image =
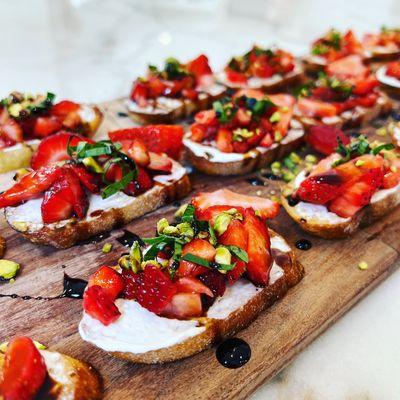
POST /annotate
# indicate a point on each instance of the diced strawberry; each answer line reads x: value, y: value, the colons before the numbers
x: 243, y: 117
x: 262, y: 70
x: 283, y: 125
x: 267, y: 140
x: 266, y: 207
x: 114, y: 173
x: 191, y: 94
x: 63, y: 108
x: 137, y: 150
x: 199, y: 66
x: 206, y: 117
x: 98, y: 303
x: 210, y: 213
x: 89, y: 180
x: 224, y: 140
x: 30, y: 186
x: 45, y: 126
x: 129, y: 291
x: 251, y: 93
x: 316, y: 108
x: 348, y: 67
x: 393, y: 69
x: 198, y: 132
x: 236, y: 273
x: 325, y: 138
x: 258, y: 248
x: 139, y: 93
x: 154, y: 290
x: 215, y: 281
x: 282, y: 100
x: 24, y: 370
x: 189, y: 284
x: 11, y: 132
x: 142, y: 184
x: 54, y: 148
x: 109, y: 279
x: 159, y: 162
x: 187, y: 268
x: 184, y: 305
x: 391, y: 179
x: 234, y: 76
x: 157, y: 138
x: 364, y: 86
x: 64, y: 198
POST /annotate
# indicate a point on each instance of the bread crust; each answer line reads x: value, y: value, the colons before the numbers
x: 241, y: 167
x: 77, y: 230
x: 364, y: 217
x: 218, y: 329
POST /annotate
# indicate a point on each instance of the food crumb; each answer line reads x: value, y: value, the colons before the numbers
x: 107, y: 248
x: 363, y: 265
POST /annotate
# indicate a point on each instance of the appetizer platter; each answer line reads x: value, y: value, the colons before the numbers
x: 139, y: 254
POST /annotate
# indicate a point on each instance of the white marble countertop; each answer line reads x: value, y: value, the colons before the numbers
x: 90, y: 50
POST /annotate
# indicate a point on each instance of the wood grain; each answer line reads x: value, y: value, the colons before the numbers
x: 331, y: 286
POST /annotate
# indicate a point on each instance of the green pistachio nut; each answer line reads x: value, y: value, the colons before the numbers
x: 171, y: 230
x: 295, y: 157
x: 8, y: 269
x: 107, y: 248
x: 223, y: 256
x: 92, y: 164
x: 185, y: 230
x: 275, y: 117
x: 135, y: 257
x: 150, y: 262
x: 161, y: 225
x: 181, y: 210
x: 222, y: 222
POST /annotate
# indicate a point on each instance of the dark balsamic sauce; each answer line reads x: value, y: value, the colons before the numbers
x: 128, y: 238
x: 303, y: 244
x: 233, y: 353
x: 354, y: 134
x: 95, y: 239
x: 395, y: 115
x: 122, y: 114
x: 271, y: 176
x: 292, y: 201
x: 176, y: 204
x: 256, y: 181
x: 73, y: 288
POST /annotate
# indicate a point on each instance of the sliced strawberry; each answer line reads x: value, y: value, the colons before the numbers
x: 198, y: 132
x: 283, y: 125
x: 236, y: 273
x: 109, y: 279
x: 393, y: 69
x: 199, y: 66
x: 189, y: 284
x: 266, y: 207
x: 391, y: 179
x: 234, y: 76
x: 325, y: 138
x: 24, y: 370
x: 159, y: 162
x: 207, y: 117
x: 154, y: 290
x: 243, y: 117
x: 184, y: 305
x: 364, y: 86
x: 129, y: 291
x: 215, y: 281
x: 224, y: 140
x: 142, y: 184
x: 89, y: 180
x: 282, y: 100
x: 320, y: 189
x: 114, y: 173
x: 45, y: 126
x: 98, y: 303
x: 157, y: 138
x: 139, y: 93
x: 251, y: 93
x: 137, y: 150
x: 209, y: 214
x: 54, y: 148
x: 267, y: 140
x: 64, y: 198
x: 316, y: 108
x: 11, y: 132
x: 63, y: 108
x: 351, y: 66
x: 258, y: 248
x: 30, y: 186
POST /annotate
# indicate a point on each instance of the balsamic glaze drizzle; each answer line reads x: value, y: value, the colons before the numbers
x: 256, y: 181
x: 233, y: 353
x: 122, y: 114
x: 128, y: 238
x: 303, y: 244
x: 95, y: 239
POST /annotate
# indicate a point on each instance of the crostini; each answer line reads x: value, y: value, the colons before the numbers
x: 354, y: 186
x: 25, y: 119
x: 174, y: 92
x: 199, y: 280
x: 382, y: 46
x: 346, y: 95
x: 79, y: 188
x: 389, y: 77
x: 243, y: 133
x: 271, y: 70
x: 29, y: 373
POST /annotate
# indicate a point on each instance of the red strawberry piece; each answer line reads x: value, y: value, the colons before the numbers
x: 316, y: 108
x: 11, y: 132
x: 215, y: 281
x: 199, y: 66
x: 266, y: 207
x: 88, y: 179
x: 262, y: 70
x: 267, y: 141
x: 282, y: 100
x: 159, y: 163
x: 154, y: 289
x: 189, y: 284
x: 157, y: 138
x: 347, y: 67
x: 224, y: 141
x: 137, y: 150
x: 365, y: 86
x: 236, y: 273
x: 393, y: 69
x: 391, y: 179
x: 129, y: 291
x: 139, y: 93
x: 206, y: 117
x: 235, y: 77
x: 258, y: 248
x: 109, y: 279
x: 30, y: 186
x: 98, y: 303
x: 252, y: 93
x: 243, y: 117
x: 64, y: 198
x: 320, y: 189
x: 142, y: 184
x: 24, y: 370
x: 45, y: 126
x: 325, y: 138
x: 241, y: 147
x: 210, y: 213
x: 198, y: 132
x: 190, y: 94
x: 114, y: 173
x: 184, y: 305
x: 54, y: 148
x: 63, y: 108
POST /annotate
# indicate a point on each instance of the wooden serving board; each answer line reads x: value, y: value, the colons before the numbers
x: 332, y: 285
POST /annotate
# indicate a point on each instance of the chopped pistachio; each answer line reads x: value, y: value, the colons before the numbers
x: 275, y: 117
x: 259, y: 193
x: 381, y: 131
x: 276, y: 165
x: 161, y: 225
x: 363, y: 265
x: 185, y: 230
x: 124, y: 263
x: 240, y: 134
x: 181, y: 210
x: 278, y: 136
x: 20, y: 226
x: 295, y: 157
x: 91, y: 163
x: 12, y: 280
x: 3, y: 347
x: 150, y: 262
x: 310, y: 158
x: 276, y: 199
x: 221, y: 222
x: 257, y: 213
x: 8, y: 269
x: 285, y: 109
x: 223, y: 256
x: 15, y: 109
x: 360, y: 163
x: 135, y: 256
x: 171, y: 230
x: 107, y: 248
x: 288, y: 176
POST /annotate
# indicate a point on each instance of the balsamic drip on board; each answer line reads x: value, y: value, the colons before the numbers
x: 95, y: 239
x: 73, y: 288
x: 128, y: 238
x: 303, y: 244
x: 233, y: 353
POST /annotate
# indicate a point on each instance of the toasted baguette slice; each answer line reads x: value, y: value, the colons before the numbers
x: 167, y: 340
x: 317, y: 220
x: 121, y: 209
x: 20, y: 155
x: 210, y: 160
x: 274, y: 84
x: 68, y: 378
x: 168, y: 110
x: 358, y: 117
